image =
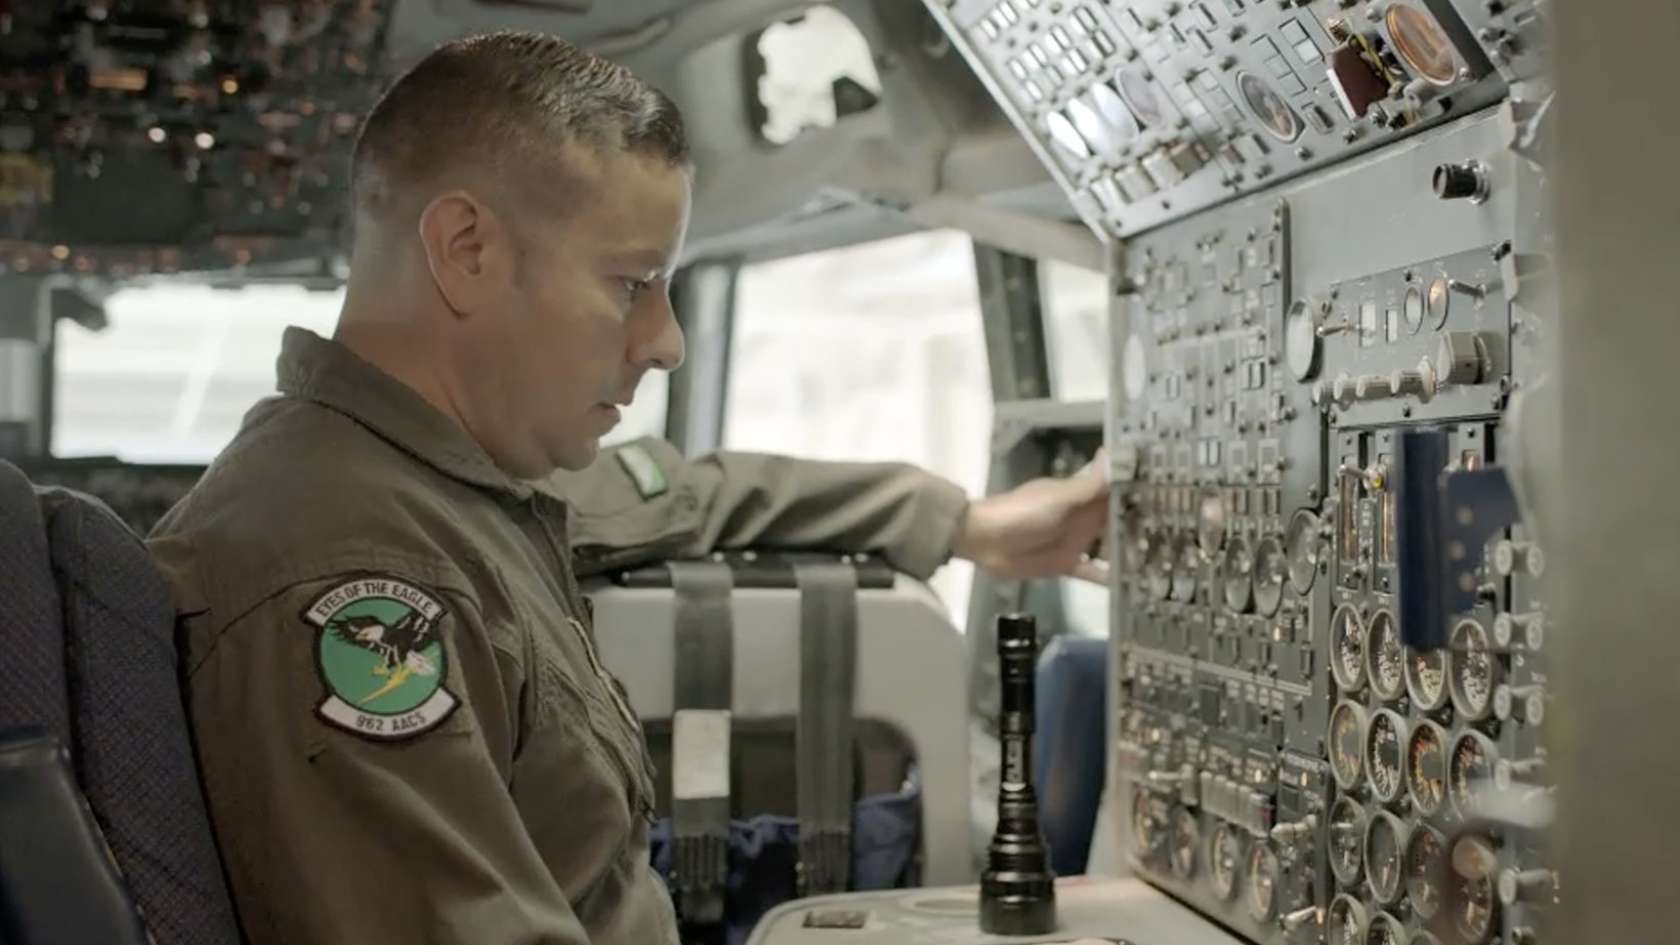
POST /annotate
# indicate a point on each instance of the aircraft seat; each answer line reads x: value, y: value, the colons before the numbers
x: 88, y: 631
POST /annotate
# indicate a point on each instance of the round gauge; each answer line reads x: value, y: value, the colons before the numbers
x: 1224, y: 860
x: 1211, y: 522
x: 1270, y: 566
x: 1136, y: 90
x: 1189, y: 564
x: 1063, y: 133
x: 1347, y: 743
x: 1187, y: 834
x: 1426, y: 766
x: 1090, y: 125
x: 1347, y: 839
x: 1475, y: 670
x: 1440, y: 300
x: 1426, y: 678
x: 1274, y: 114
x: 1475, y: 908
x: 1385, y: 853
x: 1413, y: 309
x: 1158, y: 566
x: 1147, y: 828
x: 1423, y: 870
x: 1420, y: 43
x: 1134, y: 368
x: 1114, y: 111
x: 1347, y: 648
x: 1239, y: 575
x: 1385, y: 930
x: 1471, y: 764
x: 1385, y: 752
x: 1262, y: 881
x: 1300, y: 341
x: 1301, y: 543
x: 1385, y: 657
x: 1346, y: 923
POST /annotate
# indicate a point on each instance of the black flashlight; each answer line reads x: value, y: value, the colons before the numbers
x: 1017, y: 891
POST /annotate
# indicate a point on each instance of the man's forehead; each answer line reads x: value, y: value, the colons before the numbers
x: 640, y: 210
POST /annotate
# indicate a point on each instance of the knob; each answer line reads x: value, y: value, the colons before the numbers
x: 1525, y: 886
x: 1461, y: 359
x: 1295, y: 921
x: 1296, y: 831
x: 1525, y: 703
x: 1169, y: 777
x: 1333, y: 328
x: 1343, y: 389
x: 1508, y: 556
x: 1464, y: 288
x: 1466, y: 181
x: 1507, y: 773
x: 1373, y: 387
x: 1532, y: 627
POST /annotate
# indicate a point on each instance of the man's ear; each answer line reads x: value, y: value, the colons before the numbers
x: 460, y: 235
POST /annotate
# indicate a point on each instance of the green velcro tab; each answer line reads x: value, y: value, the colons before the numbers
x: 643, y: 471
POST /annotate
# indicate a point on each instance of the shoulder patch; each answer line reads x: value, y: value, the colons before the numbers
x: 643, y: 471
x: 380, y: 657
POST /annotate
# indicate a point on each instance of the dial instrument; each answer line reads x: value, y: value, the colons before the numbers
x: 1423, y: 870
x: 1346, y: 923
x: 1426, y: 766
x: 1385, y: 657
x: 1300, y: 340
x: 1137, y: 92
x: 1239, y: 575
x: 1426, y: 678
x: 1471, y: 764
x: 1385, y: 752
x: 1158, y: 566
x: 1347, y: 838
x: 1211, y: 522
x: 1421, y: 44
x: 1475, y: 670
x: 1385, y: 930
x: 1262, y: 881
x: 1347, y: 648
x: 1187, y: 835
x: 1134, y: 368
x: 1413, y: 309
x: 1475, y: 909
x: 1385, y: 855
x: 1224, y: 860
x: 1115, y: 113
x: 1274, y: 114
x: 1347, y: 744
x: 1270, y: 569
x: 1187, y: 567
x: 1148, y: 824
x: 1301, y: 544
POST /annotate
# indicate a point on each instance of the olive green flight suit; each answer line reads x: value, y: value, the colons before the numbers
x: 405, y: 733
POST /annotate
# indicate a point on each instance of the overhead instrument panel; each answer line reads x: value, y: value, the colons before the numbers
x: 1149, y: 110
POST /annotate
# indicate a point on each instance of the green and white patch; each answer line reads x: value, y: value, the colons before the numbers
x: 380, y: 657
x: 643, y: 470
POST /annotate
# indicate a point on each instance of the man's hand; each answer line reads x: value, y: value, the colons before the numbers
x: 1040, y: 529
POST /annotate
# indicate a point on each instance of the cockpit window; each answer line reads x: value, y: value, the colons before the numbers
x: 809, y: 72
x: 1075, y: 329
x: 177, y: 367
x: 870, y: 352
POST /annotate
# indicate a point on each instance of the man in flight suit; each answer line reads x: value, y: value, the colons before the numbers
x: 405, y: 732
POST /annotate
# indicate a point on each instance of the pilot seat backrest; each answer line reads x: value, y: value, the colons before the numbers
x: 88, y: 633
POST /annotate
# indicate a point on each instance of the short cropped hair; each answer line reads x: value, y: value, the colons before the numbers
x: 508, y: 105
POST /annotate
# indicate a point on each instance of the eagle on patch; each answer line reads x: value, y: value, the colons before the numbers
x: 399, y: 646
x: 380, y: 651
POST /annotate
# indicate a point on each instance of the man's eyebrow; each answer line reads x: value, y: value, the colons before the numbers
x: 651, y: 260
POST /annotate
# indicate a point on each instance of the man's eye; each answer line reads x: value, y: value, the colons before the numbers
x: 633, y: 287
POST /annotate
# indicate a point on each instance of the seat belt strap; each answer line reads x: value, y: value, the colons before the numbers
x: 703, y: 685
x: 827, y: 669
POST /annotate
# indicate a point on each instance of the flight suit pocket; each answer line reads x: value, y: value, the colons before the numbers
x: 574, y: 697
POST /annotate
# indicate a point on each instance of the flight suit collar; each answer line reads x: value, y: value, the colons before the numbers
x: 330, y: 374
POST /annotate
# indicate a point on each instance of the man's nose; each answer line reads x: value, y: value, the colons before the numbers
x: 658, y: 343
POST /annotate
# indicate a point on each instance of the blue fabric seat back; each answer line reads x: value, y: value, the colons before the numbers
x: 115, y: 700
x: 1068, y: 766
